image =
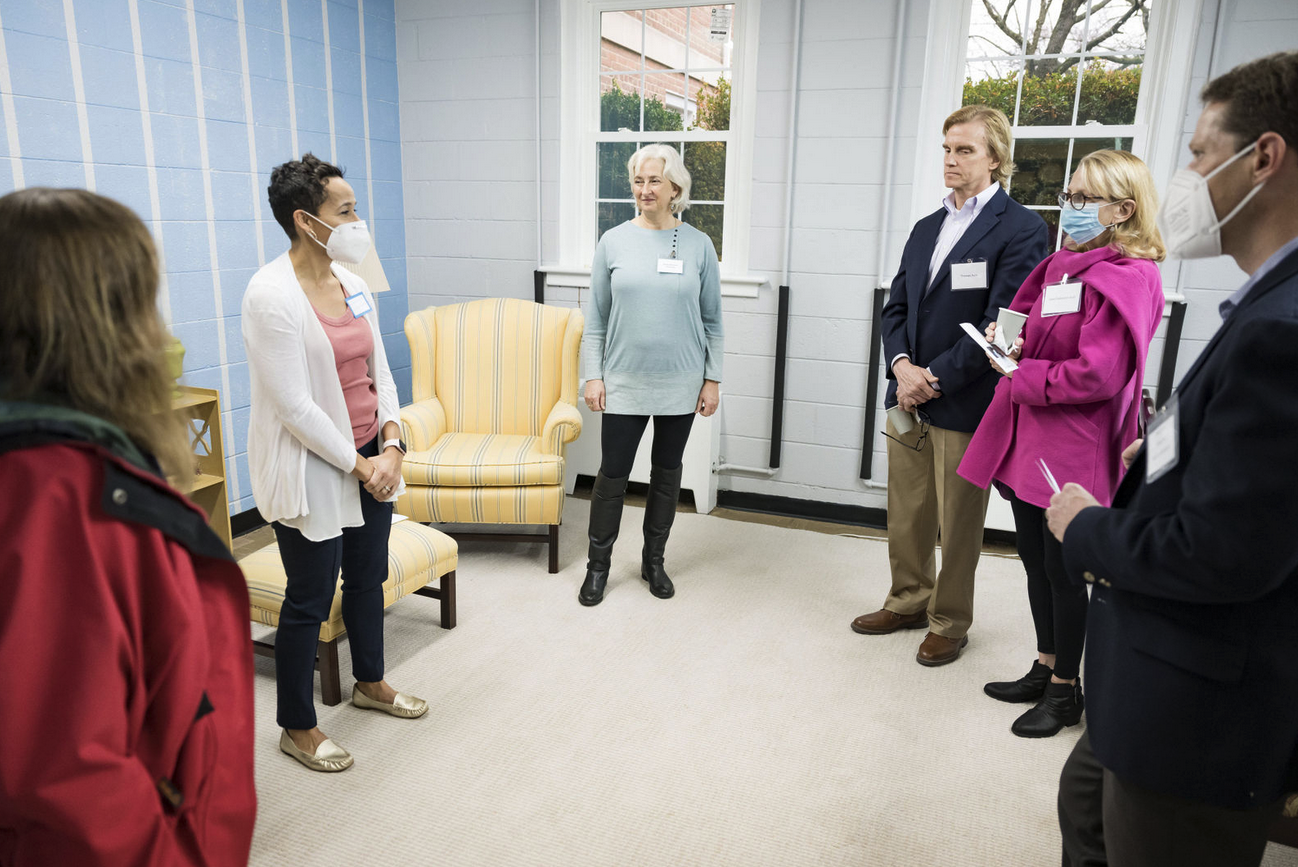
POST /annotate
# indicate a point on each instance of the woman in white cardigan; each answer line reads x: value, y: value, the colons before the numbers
x: 324, y: 447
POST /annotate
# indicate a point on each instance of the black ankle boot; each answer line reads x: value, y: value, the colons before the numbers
x: 1029, y: 687
x: 1061, y: 706
x: 605, y: 517
x: 659, y: 512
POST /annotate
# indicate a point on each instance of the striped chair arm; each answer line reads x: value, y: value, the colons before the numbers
x: 423, y: 423
x: 562, y: 426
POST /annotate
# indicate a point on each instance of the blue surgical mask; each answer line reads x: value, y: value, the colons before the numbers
x: 1084, y: 225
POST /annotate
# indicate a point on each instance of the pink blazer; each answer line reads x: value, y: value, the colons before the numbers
x: 1075, y: 399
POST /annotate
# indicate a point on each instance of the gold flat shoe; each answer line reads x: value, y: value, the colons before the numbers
x: 329, y: 757
x: 405, y: 706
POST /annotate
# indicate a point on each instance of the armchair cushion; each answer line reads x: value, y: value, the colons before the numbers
x: 483, y: 460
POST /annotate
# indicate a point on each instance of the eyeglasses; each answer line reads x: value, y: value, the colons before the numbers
x: 923, y: 432
x: 1079, y: 201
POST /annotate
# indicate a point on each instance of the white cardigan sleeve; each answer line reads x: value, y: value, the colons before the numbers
x: 274, y: 342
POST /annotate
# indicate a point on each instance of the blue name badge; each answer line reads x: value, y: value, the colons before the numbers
x: 358, y: 305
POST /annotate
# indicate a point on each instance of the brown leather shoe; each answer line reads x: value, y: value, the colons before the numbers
x: 884, y: 621
x: 939, y: 650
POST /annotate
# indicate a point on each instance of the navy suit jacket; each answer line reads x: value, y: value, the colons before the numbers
x: 923, y: 321
x: 1192, y: 633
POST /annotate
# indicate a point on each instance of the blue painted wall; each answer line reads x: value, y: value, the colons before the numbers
x: 108, y: 98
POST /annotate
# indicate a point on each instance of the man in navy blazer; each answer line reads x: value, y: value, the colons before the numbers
x: 962, y: 263
x: 1192, y: 635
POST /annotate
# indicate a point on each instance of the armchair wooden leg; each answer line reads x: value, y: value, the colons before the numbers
x: 448, y: 600
x: 554, y: 548
x: 331, y: 691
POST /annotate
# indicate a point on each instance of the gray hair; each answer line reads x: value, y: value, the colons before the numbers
x: 674, y: 171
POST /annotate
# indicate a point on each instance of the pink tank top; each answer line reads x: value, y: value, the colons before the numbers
x: 353, y: 343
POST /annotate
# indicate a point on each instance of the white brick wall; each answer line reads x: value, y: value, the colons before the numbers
x: 466, y: 76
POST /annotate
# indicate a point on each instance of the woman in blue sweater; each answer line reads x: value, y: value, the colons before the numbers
x: 652, y: 347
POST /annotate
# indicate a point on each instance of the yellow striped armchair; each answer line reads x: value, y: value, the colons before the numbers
x: 495, y: 394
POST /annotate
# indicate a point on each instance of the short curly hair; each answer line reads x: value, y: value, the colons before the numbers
x: 299, y: 185
x: 1258, y: 96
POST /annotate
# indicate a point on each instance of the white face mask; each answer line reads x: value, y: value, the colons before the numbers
x: 349, y: 242
x: 1187, y: 219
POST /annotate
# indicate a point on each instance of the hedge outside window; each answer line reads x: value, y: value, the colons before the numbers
x: 665, y: 71
x: 1067, y: 73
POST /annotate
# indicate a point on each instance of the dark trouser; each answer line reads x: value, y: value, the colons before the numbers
x: 1105, y: 821
x: 312, y: 572
x: 1058, y: 605
x: 621, y: 437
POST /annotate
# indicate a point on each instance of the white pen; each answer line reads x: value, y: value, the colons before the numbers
x: 1045, y: 471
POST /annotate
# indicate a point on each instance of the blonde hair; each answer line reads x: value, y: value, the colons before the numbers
x: 1118, y: 175
x: 997, y: 133
x: 674, y: 171
x: 79, y: 322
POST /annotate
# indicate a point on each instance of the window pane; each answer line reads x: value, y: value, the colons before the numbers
x: 712, y: 96
x: 1119, y: 27
x: 665, y: 101
x: 707, y: 219
x: 1084, y: 146
x: 620, y: 38
x: 1040, y: 175
x: 1049, y: 92
x: 1056, y: 28
x: 613, y: 214
x: 706, y: 163
x: 990, y: 36
x: 711, y: 48
x: 1051, y: 216
x: 611, y: 160
x: 619, y: 102
x: 994, y: 83
x: 1109, y: 91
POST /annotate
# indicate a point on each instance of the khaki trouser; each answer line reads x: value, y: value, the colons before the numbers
x: 927, y: 500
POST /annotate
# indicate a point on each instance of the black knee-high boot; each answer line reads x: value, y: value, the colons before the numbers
x: 605, y: 518
x: 659, y: 512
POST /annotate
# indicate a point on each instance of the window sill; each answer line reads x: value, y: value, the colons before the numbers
x: 732, y: 285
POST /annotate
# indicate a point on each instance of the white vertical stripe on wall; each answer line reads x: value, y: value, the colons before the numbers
x: 365, y: 115
x: 253, y: 174
x: 288, y: 72
x: 151, y: 168
x: 232, y: 471
x: 329, y: 82
x: 11, y: 116
x: 79, y: 90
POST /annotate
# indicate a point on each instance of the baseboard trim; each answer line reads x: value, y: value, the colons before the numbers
x: 834, y: 513
x: 246, y: 522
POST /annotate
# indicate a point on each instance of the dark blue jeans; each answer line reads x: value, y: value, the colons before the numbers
x: 312, y: 572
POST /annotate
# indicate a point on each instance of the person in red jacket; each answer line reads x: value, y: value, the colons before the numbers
x: 126, y: 730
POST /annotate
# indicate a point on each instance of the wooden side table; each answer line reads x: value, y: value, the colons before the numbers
x: 201, y: 408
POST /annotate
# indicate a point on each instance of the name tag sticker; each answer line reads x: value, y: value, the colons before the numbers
x: 1162, y: 443
x: 671, y: 266
x: 968, y: 275
x: 358, y: 305
x: 1061, y: 298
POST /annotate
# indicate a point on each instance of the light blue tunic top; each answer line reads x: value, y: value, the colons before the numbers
x: 653, y: 337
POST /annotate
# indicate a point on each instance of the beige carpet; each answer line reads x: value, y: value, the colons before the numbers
x: 740, y: 723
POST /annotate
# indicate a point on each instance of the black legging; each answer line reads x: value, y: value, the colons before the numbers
x: 621, y: 438
x: 1058, y: 605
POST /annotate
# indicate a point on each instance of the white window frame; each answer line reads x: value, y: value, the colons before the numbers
x: 1160, y: 109
x: 579, y: 123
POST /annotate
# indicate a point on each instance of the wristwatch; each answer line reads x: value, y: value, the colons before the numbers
x: 389, y: 443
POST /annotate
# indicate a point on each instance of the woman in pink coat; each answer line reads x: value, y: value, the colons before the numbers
x: 1073, y: 402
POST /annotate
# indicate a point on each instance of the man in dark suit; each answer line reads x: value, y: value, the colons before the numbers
x: 1192, y: 635
x: 962, y: 263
